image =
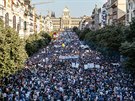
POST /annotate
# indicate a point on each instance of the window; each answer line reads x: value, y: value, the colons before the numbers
x: 25, y: 25
x: 6, y: 19
x: 4, y: 3
x: 18, y: 26
x: 9, y: 3
x: 129, y: 6
x: 134, y: 13
x: 14, y: 22
x: 19, y: 23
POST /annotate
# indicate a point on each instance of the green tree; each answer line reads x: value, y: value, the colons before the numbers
x: 12, y: 52
x: 83, y: 33
x: 128, y: 47
x: 131, y: 34
x: 76, y: 30
x: 36, y: 42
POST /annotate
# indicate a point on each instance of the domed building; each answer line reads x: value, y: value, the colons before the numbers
x: 66, y: 12
x: 65, y: 21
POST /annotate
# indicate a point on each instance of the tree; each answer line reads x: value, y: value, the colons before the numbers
x: 36, y: 42
x: 45, y: 36
x: 12, y: 52
x: 128, y: 47
x: 131, y: 34
x: 83, y: 33
x: 75, y: 29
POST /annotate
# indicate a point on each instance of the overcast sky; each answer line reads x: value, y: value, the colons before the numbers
x: 77, y: 8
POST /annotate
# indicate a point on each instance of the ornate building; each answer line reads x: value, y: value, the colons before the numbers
x: 66, y: 21
x: 21, y: 15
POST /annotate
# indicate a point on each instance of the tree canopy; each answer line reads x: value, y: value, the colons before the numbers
x: 36, y: 42
x: 12, y: 51
x: 112, y: 39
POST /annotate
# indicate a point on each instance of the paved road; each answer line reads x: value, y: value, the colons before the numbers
x: 67, y: 70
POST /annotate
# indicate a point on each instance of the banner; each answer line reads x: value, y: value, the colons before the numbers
x: 97, y: 66
x: 75, y: 65
x: 69, y: 57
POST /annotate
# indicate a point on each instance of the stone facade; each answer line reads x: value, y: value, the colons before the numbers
x: 20, y: 15
x: 65, y: 21
x: 85, y: 22
x: 116, y: 10
x: 96, y: 19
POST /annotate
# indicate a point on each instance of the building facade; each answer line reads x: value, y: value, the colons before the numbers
x: 96, y: 18
x: 113, y: 12
x: 85, y: 23
x: 20, y: 15
x: 65, y: 21
x: 116, y: 10
x: 130, y: 8
x: 48, y: 24
x: 108, y: 11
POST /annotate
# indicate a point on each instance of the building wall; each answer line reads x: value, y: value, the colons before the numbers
x: 85, y: 23
x: 121, y: 8
x: 38, y: 25
x: 130, y: 10
x: 66, y: 21
x: 116, y: 10
x: 96, y: 18
x: 48, y: 24
x: 56, y: 23
x: 75, y: 22
x: 19, y: 15
x: 109, y: 12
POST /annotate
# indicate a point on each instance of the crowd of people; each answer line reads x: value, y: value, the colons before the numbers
x: 47, y: 77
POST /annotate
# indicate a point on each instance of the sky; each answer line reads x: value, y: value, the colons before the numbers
x: 77, y: 8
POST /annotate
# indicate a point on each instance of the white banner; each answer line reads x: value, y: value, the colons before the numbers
x: 75, y: 65
x: 69, y: 57
x: 89, y: 66
x: 85, y: 66
x: 97, y: 66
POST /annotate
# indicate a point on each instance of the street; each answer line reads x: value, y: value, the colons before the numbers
x: 67, y: 70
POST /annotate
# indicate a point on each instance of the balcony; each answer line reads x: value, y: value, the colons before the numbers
x: 127, y: 10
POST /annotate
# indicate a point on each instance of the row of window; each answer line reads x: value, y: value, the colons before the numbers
x: 66, y: 23
x: 14, y: 22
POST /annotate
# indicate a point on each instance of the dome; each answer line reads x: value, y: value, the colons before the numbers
x: 66, y: 9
